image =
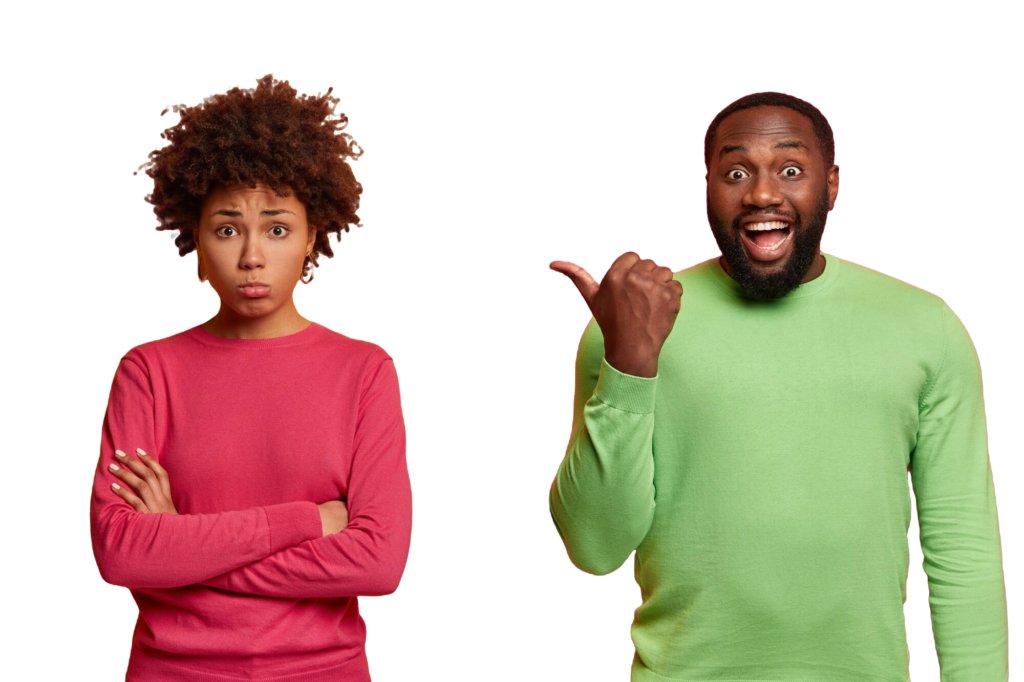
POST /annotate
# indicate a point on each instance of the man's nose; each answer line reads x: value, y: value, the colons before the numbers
x: 764, y: 191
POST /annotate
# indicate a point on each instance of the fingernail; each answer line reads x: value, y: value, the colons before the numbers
x: 115, y: 486
x: 140, y: 451
x: 118, y: 453
x: 114, y: 467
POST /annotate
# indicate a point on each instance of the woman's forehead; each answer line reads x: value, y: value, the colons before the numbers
x: 242, y: 197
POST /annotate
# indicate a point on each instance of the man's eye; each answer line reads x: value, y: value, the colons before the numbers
x: 737, y: 174
x: 791, y: 171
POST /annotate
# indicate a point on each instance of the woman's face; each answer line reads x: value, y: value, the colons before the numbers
x: 251, y: 235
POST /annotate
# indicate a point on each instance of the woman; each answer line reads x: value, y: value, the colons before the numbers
x: 252, y: 478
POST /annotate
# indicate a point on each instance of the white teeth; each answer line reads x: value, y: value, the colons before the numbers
x: 769, y: 225
x: 775, y: 225
x: 774, y: 248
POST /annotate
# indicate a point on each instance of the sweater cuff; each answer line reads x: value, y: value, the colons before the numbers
x: 625, y: 392
x: 293, y: 522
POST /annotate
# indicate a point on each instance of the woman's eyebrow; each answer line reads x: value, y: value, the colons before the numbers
x: 238, y: 214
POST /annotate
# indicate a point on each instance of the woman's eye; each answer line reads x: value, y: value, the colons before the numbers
x: 736, y: 174
x: 274, y: 227
x: 280, y: 227
x: 791, y: 171
x: 224, y: 227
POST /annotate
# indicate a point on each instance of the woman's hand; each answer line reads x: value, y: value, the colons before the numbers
x: 333, y: 517
x: 147, y: 479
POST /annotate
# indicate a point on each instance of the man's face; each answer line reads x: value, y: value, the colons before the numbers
x: 767, y: 172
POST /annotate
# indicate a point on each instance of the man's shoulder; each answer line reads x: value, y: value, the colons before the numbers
x: 861, y: 280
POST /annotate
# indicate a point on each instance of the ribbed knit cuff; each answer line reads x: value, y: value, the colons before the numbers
x: 625, y: 392
x: 292, y: 523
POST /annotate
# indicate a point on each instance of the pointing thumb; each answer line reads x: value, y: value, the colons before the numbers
x: 587, y: 285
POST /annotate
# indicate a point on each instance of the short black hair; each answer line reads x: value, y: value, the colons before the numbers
x: 822, y: 130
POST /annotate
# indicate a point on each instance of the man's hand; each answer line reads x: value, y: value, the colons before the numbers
x: 635, y: 305
x: 148, y: 479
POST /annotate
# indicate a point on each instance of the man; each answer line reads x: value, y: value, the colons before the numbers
x: 751, y: 440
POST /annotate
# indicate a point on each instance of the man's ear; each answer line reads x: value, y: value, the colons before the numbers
x: 833, y: 186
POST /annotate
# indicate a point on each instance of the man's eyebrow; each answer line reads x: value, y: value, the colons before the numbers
x: 792, y: 144
x: 788, y: 144
x: 729, y: 148
x: 238, y: 214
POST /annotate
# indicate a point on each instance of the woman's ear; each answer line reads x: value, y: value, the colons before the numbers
x: 310, y: 241
x: 194, y: 227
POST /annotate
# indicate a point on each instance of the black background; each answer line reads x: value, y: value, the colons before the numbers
x: 471, y: 185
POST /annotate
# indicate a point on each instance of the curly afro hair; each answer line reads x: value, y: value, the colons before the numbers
x: 822, y: 129
x: 266, y: 134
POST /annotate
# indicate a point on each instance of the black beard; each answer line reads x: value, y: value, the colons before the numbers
x: 759, y: 286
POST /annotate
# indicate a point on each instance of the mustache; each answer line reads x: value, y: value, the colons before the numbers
x: 794, y: 218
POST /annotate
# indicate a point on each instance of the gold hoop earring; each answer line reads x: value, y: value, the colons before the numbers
x: 312, y: 270
x: 202, y: 270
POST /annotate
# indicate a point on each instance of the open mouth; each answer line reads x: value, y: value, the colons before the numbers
x: 767, y: 236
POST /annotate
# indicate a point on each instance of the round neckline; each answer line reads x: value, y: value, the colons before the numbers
x: 815, y: 286
x: 209, y: 338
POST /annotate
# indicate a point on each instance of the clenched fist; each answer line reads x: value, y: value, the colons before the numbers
x: 635, y: 305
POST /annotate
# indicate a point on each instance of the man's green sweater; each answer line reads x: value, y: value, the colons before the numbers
x: 761, y: 478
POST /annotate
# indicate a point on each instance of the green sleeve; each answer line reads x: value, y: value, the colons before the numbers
x: 956, y: 509
x: 602, y: 498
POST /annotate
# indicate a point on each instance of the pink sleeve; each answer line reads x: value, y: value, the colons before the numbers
x: 139, y: 550
x: 368, y: 557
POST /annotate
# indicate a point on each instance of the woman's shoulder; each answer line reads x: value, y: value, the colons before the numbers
x: 354, y: 344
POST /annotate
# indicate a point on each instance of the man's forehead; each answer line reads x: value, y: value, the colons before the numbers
x: 764, y: 122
